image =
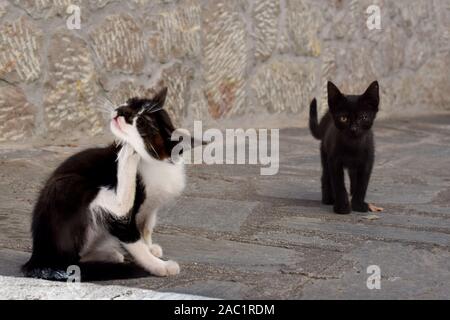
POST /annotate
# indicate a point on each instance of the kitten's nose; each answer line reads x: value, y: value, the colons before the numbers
x: 353, y: 129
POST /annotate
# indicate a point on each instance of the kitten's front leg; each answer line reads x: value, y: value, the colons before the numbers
x: 119, y: 202
x: 128, y: 161
x: 154, y: 248
x: 359, y: 194
x: 139, y: 251
x: 341, y: 203
x: 327, y: 190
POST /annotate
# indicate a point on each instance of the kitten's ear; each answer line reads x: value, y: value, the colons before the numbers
x: 334, y: 95
x: 159, y: 99
x: 371, y: 96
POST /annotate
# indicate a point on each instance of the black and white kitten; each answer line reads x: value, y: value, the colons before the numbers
x: 92, y: 205
x: 347, y: 143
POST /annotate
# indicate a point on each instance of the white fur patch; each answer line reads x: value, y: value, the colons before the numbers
x: 120, y: 201
x: 141, y: 254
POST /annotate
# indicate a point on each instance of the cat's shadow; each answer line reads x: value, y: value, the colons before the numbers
x: 12, y: 260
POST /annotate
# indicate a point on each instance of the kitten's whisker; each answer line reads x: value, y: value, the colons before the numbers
x: 105, y: 103
x: 151, y: 109
x: 154, y: 150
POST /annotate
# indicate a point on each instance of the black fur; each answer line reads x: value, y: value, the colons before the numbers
x: 61, y: 215
x: 347, y: 143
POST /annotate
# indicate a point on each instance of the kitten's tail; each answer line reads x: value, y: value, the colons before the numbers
x: 32, y: 270
x: 313, y: 121
x: 89, y: 271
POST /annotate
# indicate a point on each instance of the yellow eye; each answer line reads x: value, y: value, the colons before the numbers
x: 343, y: 119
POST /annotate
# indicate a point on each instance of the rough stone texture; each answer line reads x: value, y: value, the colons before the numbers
x: 16, y: 114
x: 20, y: 43
x: 284, y: 86
x: 400, y: 55
x: 240, y: 235
x: 177, y: 78
x: 223, y: 59
x: 176, y: 33
x: 3, y: 7
x: 303, y: 21
x: 265, y: 27
x: 119, y: 44
x: 71, y: 89
x: 45, y: 8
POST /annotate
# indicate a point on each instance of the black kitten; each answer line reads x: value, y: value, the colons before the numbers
x: 347, y: 143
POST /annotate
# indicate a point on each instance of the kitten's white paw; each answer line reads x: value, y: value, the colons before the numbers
x: 156, y: 250
x: 172, y: 268
x: 168, y: 268
x: 117, y: 257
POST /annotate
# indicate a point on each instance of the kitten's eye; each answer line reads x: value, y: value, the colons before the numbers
x: 364, y: 117
x: 343, y: 119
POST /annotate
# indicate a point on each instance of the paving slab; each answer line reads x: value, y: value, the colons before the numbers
x: 426, y: 276
x: 204, y: 213
x: 367, y: 230
x: 229, y: 254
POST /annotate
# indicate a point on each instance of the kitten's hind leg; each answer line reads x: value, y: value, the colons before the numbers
x: 141, y: 254
x: 112, y: 256
x: 146, y: 224
x: 327, y: 191
x: 154, y: 248
x: 100, y: 248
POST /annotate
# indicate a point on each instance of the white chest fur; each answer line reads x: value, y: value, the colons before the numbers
x: 163, y: 181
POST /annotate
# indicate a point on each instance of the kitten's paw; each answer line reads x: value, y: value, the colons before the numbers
x: 156, y: 250
x: 342, y: 208
x: 360, y: 206
x: 172, y: 268
x: 327, y: 200
x: 167, y: 268
x: 117, y: 257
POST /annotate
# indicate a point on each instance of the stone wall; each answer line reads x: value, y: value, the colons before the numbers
x: 220, y: 59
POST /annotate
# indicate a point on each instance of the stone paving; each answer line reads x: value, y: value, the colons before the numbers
x: 237, y: 234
